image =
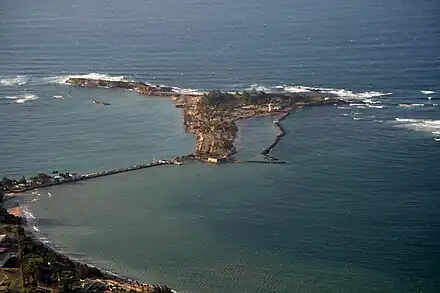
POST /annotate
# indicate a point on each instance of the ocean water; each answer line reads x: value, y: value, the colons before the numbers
x: 356, y: 209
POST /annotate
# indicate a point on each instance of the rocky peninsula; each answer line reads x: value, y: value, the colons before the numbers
x: 211, y: 116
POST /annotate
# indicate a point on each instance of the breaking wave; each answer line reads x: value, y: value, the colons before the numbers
x: 19, y: 80
x: 424, y: 125
x: 61, y: 79
x: 22, y: 98
x: 342, y: 93
x: 427, y: 92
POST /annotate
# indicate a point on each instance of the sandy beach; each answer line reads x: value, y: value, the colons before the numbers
x: 16, y: 211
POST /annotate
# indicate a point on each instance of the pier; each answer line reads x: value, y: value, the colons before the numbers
x: 75, y: 177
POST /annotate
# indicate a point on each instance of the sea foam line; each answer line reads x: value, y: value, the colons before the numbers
x: 342, y: 93
x: 20, y: 99
x: 19, y: 80
x: 423, y: 125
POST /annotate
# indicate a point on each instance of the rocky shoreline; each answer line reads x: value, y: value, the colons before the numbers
x: 211, y: 116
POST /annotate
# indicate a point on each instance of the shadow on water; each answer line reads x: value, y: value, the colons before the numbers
x: 46, y: 222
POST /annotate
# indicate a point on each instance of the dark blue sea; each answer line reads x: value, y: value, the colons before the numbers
x: 357, y: 207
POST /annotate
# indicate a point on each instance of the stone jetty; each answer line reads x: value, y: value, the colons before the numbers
x: 281, y: 133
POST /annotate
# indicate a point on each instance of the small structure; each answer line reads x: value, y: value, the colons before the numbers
x: 2, y: 238
x: 216, y: 160
x: 213, y: 160
x: 270, y: 107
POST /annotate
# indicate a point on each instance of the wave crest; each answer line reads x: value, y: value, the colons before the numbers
x: 18, y: 80
x: 342, y: 93
x: 422, y: 125
x: 20, y: 99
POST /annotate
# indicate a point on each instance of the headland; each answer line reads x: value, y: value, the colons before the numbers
x: 211, y: 116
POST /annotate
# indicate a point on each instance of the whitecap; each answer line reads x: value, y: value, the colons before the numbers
x: 348, y: 94
x: 406, y: 120
x: 376, y: 106
x: 25, y: 98
x: 422, y: 125
x: 11, y: 81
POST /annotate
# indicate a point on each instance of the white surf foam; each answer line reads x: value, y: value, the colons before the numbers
x: 28, y: 214
x: 187, y: 91
x: 427, y: 92
x: 61, y: 79
x: 353, y: 95
x: 296, y: 89
x: 424, y: 125
x: 25, y: 98
x: 375, y: 106
x: 16, y: 80
x: 259, y: 88
x: 342, y: 93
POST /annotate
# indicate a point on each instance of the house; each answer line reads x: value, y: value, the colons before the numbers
x: 213, y: 160
x: 217, y: 160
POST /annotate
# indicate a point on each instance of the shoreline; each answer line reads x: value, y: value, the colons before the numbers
x: 105, y: 276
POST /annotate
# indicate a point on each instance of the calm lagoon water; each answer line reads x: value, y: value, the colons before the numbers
x: 354, y: 210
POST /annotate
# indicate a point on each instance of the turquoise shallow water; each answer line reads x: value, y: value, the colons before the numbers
x: 354, y: 210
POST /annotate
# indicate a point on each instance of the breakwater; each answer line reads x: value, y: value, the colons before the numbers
x: 281, y: 133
